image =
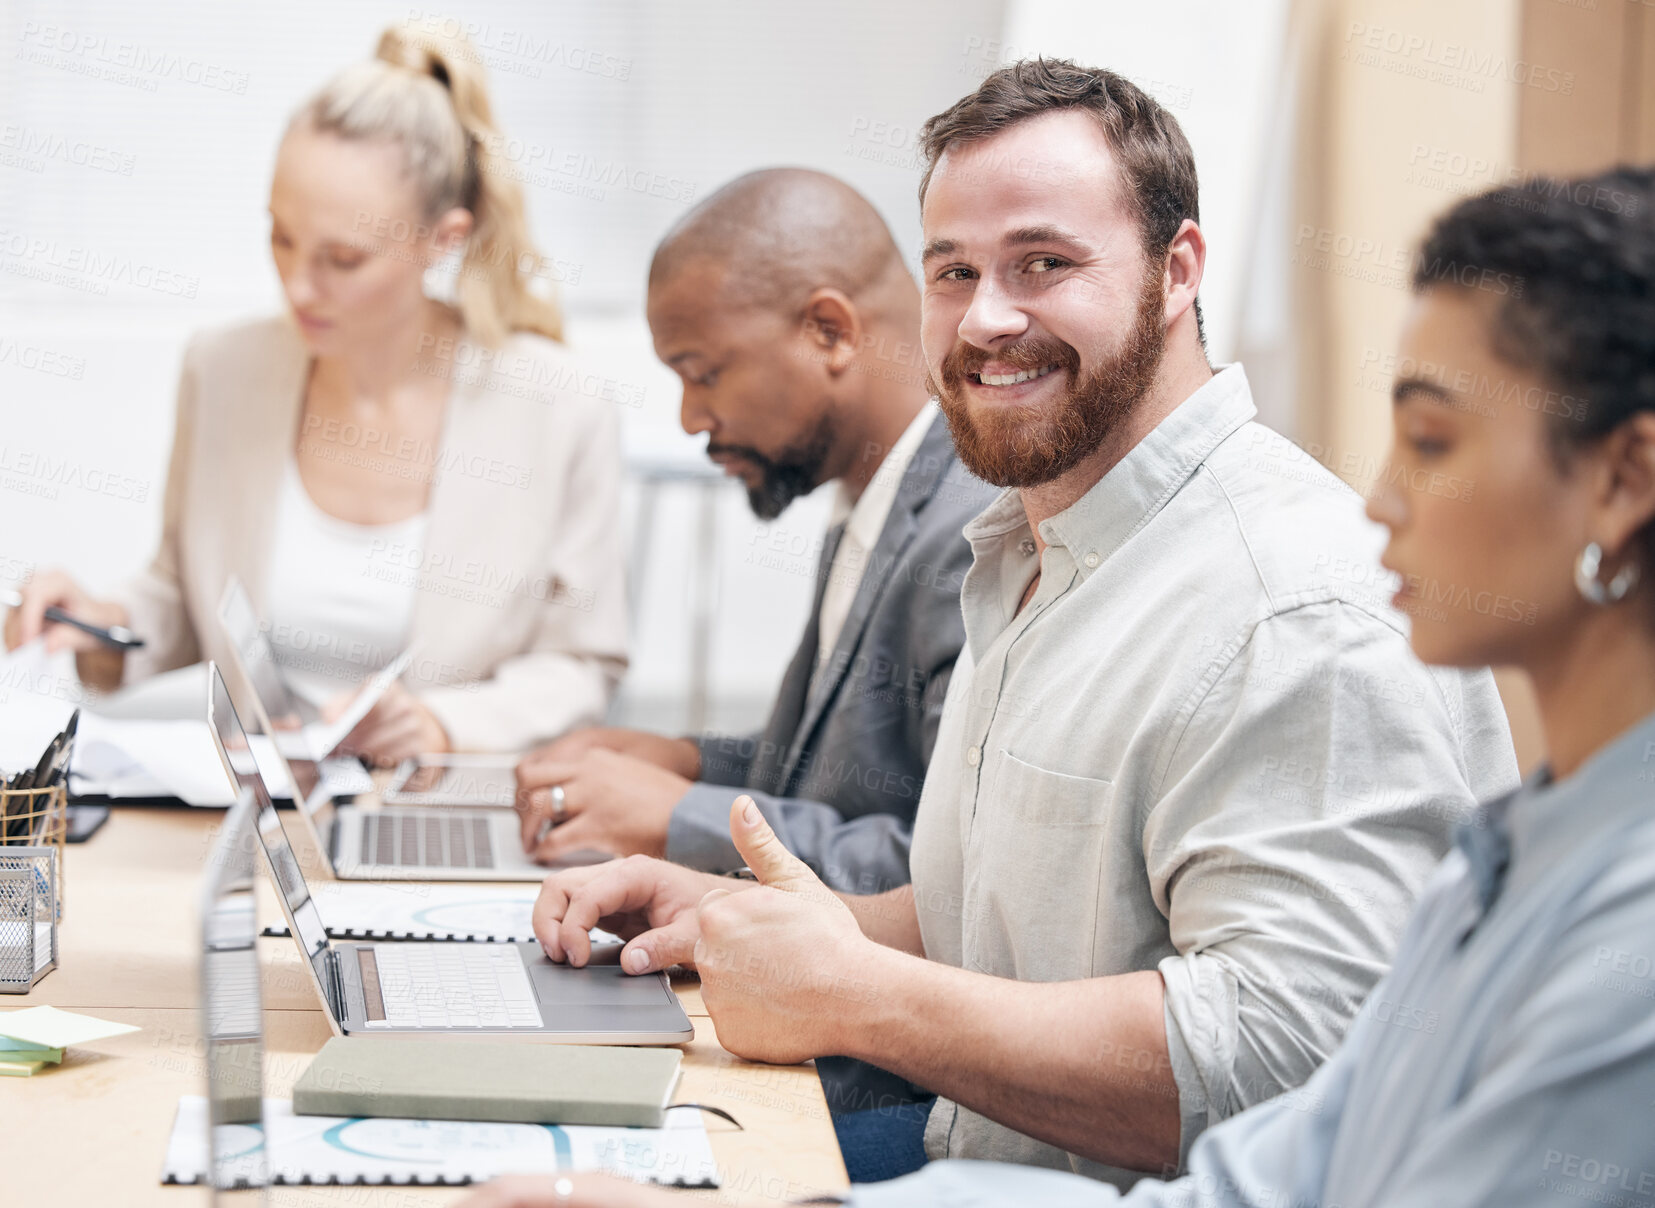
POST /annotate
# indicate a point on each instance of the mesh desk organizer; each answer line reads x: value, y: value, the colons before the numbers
x: 33, y: 823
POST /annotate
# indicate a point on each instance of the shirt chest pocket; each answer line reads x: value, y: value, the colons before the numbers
x: 1035, y: 869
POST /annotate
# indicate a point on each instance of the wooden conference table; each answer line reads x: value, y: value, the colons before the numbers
x: 94, y: 1131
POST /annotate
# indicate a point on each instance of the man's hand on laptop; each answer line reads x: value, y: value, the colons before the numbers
x: 602, y: 800
x: 649, y: 903
x: 779, y: 957
x: 779, y: 964
x: 679, y: 755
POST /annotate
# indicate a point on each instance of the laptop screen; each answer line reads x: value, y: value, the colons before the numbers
x: 232, y: 1013
x: 285, y: 713
x: 303, y: 916
x: 258, y: 658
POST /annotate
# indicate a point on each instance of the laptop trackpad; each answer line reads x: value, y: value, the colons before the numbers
x: 594, y: 986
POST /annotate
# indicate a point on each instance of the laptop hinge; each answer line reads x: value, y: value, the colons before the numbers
x: 336, y: 984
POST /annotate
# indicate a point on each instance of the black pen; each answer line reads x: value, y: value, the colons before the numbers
x: 55, y: 775
x: 58, y: 768
x: 53, y: 765
x: 118, y: 636
x: 21, y: 803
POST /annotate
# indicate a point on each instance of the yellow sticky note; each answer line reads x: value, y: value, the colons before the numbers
x: 58, y: 1029
x: 20, y: 1069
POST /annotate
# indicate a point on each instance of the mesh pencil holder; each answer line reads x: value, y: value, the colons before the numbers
x: 33, y: 823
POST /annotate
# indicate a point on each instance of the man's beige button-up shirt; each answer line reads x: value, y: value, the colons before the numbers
x: 1204, y: 747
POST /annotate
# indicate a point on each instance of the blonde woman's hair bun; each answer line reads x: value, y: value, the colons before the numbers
x: 450, y: 60
x: 426, y: 90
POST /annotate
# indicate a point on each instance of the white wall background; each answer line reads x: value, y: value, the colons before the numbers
x: 135, y: 151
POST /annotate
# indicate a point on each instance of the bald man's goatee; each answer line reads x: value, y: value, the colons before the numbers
x: 786, y: 475
x: 1025, y: 446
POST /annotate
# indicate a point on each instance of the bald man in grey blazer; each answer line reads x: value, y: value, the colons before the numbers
x: 783, y: 304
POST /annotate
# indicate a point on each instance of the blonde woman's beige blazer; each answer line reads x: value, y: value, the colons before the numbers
x: 519, y: 614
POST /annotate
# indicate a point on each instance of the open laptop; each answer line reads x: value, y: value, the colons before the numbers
x: 425, y: 843
x: 302, y: 724
x: 301, y: 728
x: 232, y: 1017
x: 477, y: 989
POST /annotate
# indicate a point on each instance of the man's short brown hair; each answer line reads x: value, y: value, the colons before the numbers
x: 1154, y: 156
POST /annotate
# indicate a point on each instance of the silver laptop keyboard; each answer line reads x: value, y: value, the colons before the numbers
x: 447, y: 986
x: 426, y: 840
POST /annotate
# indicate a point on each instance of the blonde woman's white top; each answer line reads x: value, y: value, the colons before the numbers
x: 339, y: 596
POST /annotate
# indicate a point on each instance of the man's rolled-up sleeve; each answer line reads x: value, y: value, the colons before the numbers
x: 1306, y: 790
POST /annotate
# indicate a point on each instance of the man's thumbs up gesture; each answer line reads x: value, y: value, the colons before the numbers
x: 778, y: 963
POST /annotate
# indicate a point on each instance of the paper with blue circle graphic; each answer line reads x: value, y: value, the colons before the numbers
x: 424, y: 910
x: 329, y: 1149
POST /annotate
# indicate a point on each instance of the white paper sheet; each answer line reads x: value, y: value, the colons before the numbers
x: 147, y: 741
x: 58, y: 1029
x: 140, y: 757
x: 346, y: 777
x: 115, y: 756
x: 38, y: 692
x: 181, y: 695
x: 343, y: 777
x: 174, y: 695
x: 324, y: 737
x: 331, y: 1149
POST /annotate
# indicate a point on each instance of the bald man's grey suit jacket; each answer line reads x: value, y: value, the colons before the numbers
x: 837, y: 770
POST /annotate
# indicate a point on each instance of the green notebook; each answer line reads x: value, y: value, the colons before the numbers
x: 431, y: 1079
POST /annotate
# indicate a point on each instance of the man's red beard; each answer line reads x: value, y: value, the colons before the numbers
x: 1023, y: 446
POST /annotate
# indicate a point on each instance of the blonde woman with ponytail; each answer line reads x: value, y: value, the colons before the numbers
x: 404, y: 457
